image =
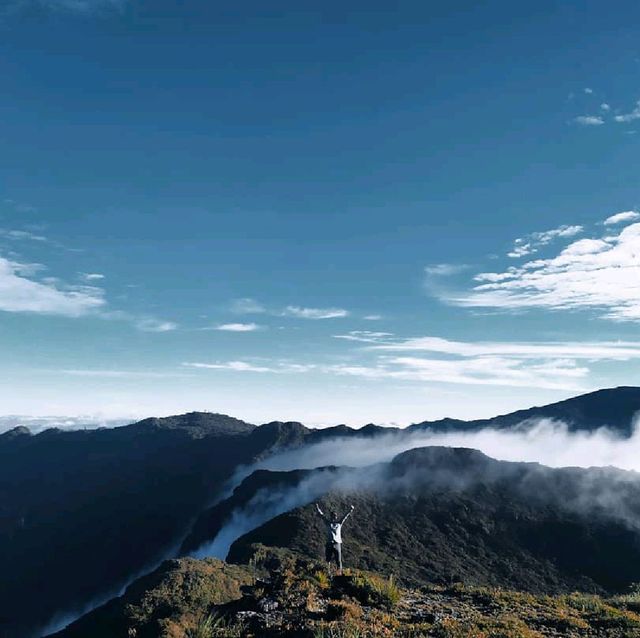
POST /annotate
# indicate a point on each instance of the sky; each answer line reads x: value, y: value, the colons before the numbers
x: 327, y: 212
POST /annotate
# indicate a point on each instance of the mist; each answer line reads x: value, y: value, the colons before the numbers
x: 544, y: 441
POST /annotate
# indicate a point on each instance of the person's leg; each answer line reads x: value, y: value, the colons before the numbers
x: 339, y: 556
x: 328, y: 554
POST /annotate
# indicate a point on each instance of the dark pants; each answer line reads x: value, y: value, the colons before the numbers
x: 334, y: 553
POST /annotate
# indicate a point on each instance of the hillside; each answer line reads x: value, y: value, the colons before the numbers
x: 91, y: 508
x: 294, y: 597
x: 443, y: 515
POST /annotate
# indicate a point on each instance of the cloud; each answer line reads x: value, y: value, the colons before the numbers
x: 21, y: 235
x: 91, y: 276
x: 601, y: 274
x: 151, y: 324
x: 588, y: 91
x: 629, y: 117
x: 590, y: 350
x: 245, y: 366
x: 250, y: 306
x: 238, y: 327
x: 314, y: 313
x: 365, y: 336
x: 495, y: 371
x: 20, y: 293
x: 372, y: 317
x: 605, y: 107
x: 589, y: 120
x: 444, y: 270
x: 531, y: 243
x: 618, y: 218
x: 247, y: 306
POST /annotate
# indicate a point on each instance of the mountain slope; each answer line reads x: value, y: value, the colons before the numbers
x: 611, y: 407
x: 444, y: 515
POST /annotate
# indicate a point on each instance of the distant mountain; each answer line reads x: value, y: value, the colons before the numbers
x: 82, y: 511
x: 91, y: 508
x: 614, y: 408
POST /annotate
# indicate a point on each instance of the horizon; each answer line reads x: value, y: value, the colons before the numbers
x: 42, y: 423
x: 335, y: 215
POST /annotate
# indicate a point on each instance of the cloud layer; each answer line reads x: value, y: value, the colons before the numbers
x: 601, y: 274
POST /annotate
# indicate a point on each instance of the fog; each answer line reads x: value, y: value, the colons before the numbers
x: 544, y: 441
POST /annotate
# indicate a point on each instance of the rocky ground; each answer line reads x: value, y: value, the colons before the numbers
x: 281, y: 594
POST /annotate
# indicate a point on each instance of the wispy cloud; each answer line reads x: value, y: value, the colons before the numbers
x: 91, y: 276
x: 531, y: 243
x: 601, y: 273
x: 547, y: 365
x: 589, y: 120
x: 314, y: 313
x: 247, y: 366
x: 444, y: 270
x: 591, y: 350
x: 629, y: 117
x: 238, y: 327
x: 498, y: 371
x: 248, y: 306
x: 619, y: 218
x: 20, y: 292
x: 365, y: 336
x: 372, y: 317
x: 151, y: 324
x: 21, y: 235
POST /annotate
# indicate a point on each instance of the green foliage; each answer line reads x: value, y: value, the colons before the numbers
x: 211, y: 626
x: 374, y: 590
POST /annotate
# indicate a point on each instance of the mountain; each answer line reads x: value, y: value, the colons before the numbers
x: 92, y: 508
x: 614, y: 408
x: 294, y: 597
x: 443, y: 515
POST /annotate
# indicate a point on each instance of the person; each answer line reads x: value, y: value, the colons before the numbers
x: 334, y: 535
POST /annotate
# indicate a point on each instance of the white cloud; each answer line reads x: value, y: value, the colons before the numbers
x: 631, y: 116
x: 245, y: 366
x: 605, y: 107
x: 589, y: 120
x: 372, y: 317
x: 531, y: 243
x: 150, y: 324
x: 247, y: 306
x: 496, y: 371
x: 238, y: 327
x: 19, y: 293
x: 21, y: 235
x: 601, y: 274
x: 444, y: 270
x: 251, y: 306
x: 588, y: 91
x: 590, y: 350
x: 314, y: 313
x: 91, y: 276
x: 626, y: 216
x: 365, y: 336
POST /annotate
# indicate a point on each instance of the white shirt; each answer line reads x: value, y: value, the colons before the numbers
x: 335, y: 532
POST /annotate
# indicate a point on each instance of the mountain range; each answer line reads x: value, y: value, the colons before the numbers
x: 83, y: 511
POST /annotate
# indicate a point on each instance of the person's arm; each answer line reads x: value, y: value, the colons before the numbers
x: 346, y: 516
x: 320, y: 511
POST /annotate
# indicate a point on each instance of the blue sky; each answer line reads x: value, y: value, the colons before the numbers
x: 330, y: 212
